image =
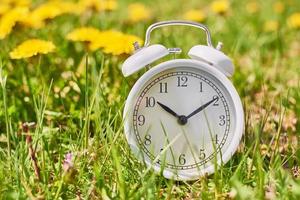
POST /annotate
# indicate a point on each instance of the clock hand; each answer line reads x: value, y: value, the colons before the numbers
x: 169, y: 110
x: 202, y: 107
x: 182, y: 120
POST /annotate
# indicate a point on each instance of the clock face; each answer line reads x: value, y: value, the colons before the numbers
x: 182, y: 118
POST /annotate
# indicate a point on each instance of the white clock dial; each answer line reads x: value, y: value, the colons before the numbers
x: 182, y: 117
x: 187, y: 110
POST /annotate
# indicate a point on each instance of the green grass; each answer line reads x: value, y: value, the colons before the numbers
x: 75, y: 100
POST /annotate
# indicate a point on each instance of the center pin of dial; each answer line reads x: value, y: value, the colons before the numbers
x: 182, y: 119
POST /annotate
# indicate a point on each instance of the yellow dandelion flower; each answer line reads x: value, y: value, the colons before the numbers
x: 271, y: 26
x: 22, y: 2
x: 8, y: 5
x: 194, y: 15
x: 220, y: 6
x: 278, y: 7
x: 105, y: 39
x: 84, y: 34
x: 294, y: 20
x: 31, y: 48
x: 4, y: 8
x: 99, y: 5
x: 17, y: 3
x: 138, y: 12
x: 49, y: 10
x: 38, y: 16
x: 110, y: 41
x: 67, y: 6
x: 9, y: 20
x: 122, y: 45
x: 107, y: 5
x: 252, y: 7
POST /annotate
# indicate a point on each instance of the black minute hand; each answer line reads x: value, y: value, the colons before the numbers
x: 201, y: 107
x: 169, y: 110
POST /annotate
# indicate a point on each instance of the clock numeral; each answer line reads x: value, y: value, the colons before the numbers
x: 202, y: 154
x: 182, y: 81
x: 222, y: 120
x: 216, y: 103
x: 216, y: 140
x: 163, y: 87
x: 147, y: 139
x: 201, y: 87
x: 141, y: 120
x: 150, y: 102
x: 182, y: 159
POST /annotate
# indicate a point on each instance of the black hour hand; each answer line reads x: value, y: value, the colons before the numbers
x: 169, y: 110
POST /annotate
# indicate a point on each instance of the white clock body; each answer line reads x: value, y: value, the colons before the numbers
x: 203, y: 128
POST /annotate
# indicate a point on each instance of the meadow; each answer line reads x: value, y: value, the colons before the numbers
x: 62, y: 95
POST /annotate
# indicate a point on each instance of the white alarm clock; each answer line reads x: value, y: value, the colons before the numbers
x: 183, y: 117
